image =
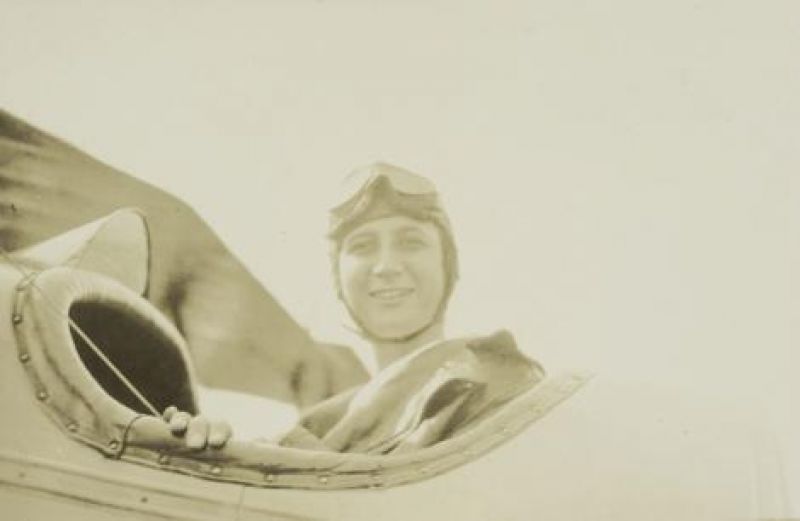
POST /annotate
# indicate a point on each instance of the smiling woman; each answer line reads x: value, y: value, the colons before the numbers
x: 395, y: 265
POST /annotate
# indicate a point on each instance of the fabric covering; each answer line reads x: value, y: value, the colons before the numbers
x: 420, y: 399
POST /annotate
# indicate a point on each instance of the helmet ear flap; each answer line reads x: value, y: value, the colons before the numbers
x: 333, y: 253
x: 449, y: 264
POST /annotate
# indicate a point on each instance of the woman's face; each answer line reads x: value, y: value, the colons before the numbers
x: 392, y: 276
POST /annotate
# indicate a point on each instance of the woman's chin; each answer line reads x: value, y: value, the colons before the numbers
x: 399, y: 332
x: 393, y: 335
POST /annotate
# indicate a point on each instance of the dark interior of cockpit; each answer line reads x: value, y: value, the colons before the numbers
x: 147, y: 357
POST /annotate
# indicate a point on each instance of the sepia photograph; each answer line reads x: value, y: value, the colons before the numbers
x: 342, y: 260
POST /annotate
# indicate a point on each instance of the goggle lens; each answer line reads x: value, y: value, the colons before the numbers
x: 402, y: 181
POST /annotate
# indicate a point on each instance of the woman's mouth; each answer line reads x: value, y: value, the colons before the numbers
x: 390, y: 294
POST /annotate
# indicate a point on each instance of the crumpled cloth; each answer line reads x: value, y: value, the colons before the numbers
x: 419, y: 400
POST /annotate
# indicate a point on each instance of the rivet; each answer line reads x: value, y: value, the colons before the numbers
x: 323, y: 480
x: 216, y: 470
x: 113, y: 444
x: 163, y: 459
x: 16, y: 319
x: 144, y: 499
x: 270, y: 478
x: 24, y: 357
x: 42, y: 395
x: 72, y: 427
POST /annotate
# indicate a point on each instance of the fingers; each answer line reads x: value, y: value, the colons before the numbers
x: 197, y: 432
x: 169, y: 412
x: 219, y: 432
x: 179, y: 422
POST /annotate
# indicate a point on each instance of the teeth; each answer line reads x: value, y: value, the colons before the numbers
x: 390, y: 293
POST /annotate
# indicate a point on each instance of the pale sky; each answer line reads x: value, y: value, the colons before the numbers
x: 622, y: 176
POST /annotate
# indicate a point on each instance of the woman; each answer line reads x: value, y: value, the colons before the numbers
x: 395, y: 266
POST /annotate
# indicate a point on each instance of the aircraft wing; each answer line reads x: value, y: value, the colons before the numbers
x: 239, y: 337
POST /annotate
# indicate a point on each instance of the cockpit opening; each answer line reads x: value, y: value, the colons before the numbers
x: 147, y: 356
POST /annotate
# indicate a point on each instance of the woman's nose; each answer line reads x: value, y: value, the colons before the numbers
x: 387, y: 264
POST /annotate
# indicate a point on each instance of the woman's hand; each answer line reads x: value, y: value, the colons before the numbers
x: 199, y: 431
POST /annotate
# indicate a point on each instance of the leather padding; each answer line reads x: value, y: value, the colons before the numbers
x: 70, y: 379
x: 266, y: 464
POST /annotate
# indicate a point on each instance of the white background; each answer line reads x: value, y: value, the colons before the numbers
x: 622, y: 176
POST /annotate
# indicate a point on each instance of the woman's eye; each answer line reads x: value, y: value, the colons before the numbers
x: 412, y: 243
x: 359, y: 247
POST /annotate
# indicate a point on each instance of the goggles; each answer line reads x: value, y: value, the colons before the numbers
x: 367, y: 179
